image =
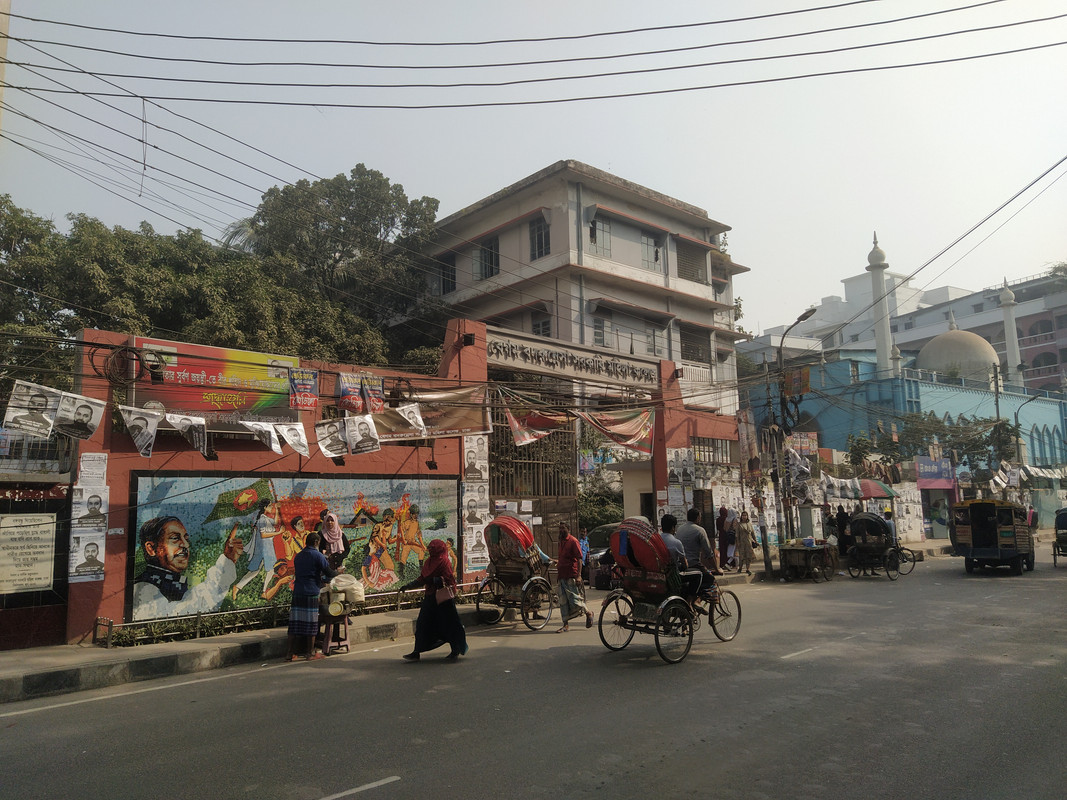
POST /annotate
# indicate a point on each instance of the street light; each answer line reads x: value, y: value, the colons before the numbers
x: 1018, y: 436
x: 783, y: 405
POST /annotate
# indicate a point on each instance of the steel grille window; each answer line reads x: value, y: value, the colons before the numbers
x: 649, y: 252
x: 696, y: 344
x: 545, y: 468
x: 446, y: 270
x: 692, y: 262
x: 710, y: 451
x: 540, y: 243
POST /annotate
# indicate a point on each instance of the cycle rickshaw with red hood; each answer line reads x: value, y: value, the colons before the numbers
x: 518, y: 576
x: 656, y: 598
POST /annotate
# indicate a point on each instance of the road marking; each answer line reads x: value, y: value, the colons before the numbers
x: 797, y: 653
x: 363, y: 788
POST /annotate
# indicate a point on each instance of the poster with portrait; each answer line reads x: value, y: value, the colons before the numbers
x: 192, y: 429
x: 78, y: 416
x: 680, y: 466
x: 142, y: 425
x: 86, y: 562
x: 362, y: 435
x: 292, y: 434
x: 411, y: 412
x: 373, y: 394
x: 265, y: 434
x: 330, y: 435
x: 27, y: 552
x: 477, y: 491
x: 475, y: 551
x: 31, y: 409
x: 475, y: 458
x: 88, y: 508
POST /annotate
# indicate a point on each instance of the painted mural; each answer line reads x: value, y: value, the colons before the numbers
x: 217, y: 544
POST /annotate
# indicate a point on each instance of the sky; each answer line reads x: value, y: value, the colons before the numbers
x: 804, y: 156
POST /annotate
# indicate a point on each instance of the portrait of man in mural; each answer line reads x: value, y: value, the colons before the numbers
x: 162, y: 589
x: 410, y: 538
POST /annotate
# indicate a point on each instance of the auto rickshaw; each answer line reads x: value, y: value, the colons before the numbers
x: 1059, y: 547
x: 992, y: 533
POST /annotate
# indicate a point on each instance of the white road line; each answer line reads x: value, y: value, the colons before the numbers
x: 797, y: 653
x: 363, y: 788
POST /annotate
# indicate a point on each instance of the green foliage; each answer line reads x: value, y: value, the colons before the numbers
x: 598, y: 503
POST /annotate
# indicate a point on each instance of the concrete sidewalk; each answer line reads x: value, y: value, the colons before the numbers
x: 62, y: 669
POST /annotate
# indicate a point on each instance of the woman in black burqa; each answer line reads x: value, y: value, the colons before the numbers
x: 438, y: 623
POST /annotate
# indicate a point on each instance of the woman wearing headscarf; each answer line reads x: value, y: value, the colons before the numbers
x: 844, y: 538
x: 334, y: 545
x: 730, y: 526
x: 438, y: 623
x: 746, y: 540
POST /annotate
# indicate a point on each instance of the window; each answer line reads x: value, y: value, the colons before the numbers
x: 654, y: 340
x: 487, y: 259
x: 908, y: 324
x: 600, y: 237
x: 854, y: 371
x: 1041, y: 326
x: 710, y: 451
x: 540, y: 244
x: 650, y: 252
x: 692, y: 262
x: 446, y: 274
x: 696, y: 345
x: 541, y: 325
x: 1045, y: 360
x: 602, y: 331
x: 1061, y: 321
x: 854, y: 337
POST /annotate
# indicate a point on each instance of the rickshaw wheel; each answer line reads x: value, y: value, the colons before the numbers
x: 489, y: 602
x: 1030, y: 561
x: 616, y: 622
x: 674, y: 632
x: 1017, y: 565
x: 537, y: 599
x: 726, y: 616
x: 854, y: 568
x: 891, y: 565
x: 907, y: 560
x: 968, y: 565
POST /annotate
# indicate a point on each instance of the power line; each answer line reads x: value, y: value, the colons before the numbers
x: 547, y: 101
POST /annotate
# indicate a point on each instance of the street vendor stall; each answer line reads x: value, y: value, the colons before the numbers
x: 812, y: 560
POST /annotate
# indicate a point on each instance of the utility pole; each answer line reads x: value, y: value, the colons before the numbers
x: 775, y: 436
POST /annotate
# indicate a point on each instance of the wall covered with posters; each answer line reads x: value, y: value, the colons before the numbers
x: 213, y: 543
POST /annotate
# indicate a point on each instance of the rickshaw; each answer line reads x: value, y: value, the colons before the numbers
x: 992, y: 533
x: 1059, y: 547
x: 874, y: 547
x: 518, y: 578
x: 655, y: 598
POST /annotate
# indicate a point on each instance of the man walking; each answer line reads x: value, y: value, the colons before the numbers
x: 569, y: 572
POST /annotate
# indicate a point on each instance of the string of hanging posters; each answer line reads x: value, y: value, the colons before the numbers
x: 41, y: 411
x: 529, y: 421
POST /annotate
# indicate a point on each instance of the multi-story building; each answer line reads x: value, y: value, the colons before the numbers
x: 580, y: 256
x: 603, y: 290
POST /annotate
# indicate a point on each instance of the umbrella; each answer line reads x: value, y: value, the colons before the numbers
x: 870, y: 488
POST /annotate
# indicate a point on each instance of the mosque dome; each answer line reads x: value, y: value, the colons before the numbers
x: 957, y: 352
x: 876, y: 258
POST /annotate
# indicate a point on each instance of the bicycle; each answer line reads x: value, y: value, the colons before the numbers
x: 905, y: 559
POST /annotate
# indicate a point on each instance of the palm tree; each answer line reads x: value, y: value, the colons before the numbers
x: 242, y: 234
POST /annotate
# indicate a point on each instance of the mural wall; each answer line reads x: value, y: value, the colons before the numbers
x: 216, y: 544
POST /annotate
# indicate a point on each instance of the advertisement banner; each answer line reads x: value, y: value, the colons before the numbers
x: 455, y: 412
x: 31, y: 409
x: 224, y: 386
x: 350, y: 391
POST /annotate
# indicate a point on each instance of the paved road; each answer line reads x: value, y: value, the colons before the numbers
x: 940, y: 685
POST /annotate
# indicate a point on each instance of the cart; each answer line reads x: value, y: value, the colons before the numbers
x: 873, y: 547
x: 656, y: 599
x: 518, y: 578
x: 813, y: 561
x: 1059, y: 547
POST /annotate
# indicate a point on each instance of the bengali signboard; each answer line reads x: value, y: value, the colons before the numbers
x: 222, y: 385
x: 27, y: 552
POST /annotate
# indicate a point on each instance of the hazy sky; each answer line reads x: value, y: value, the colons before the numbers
x: 803, y: 170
